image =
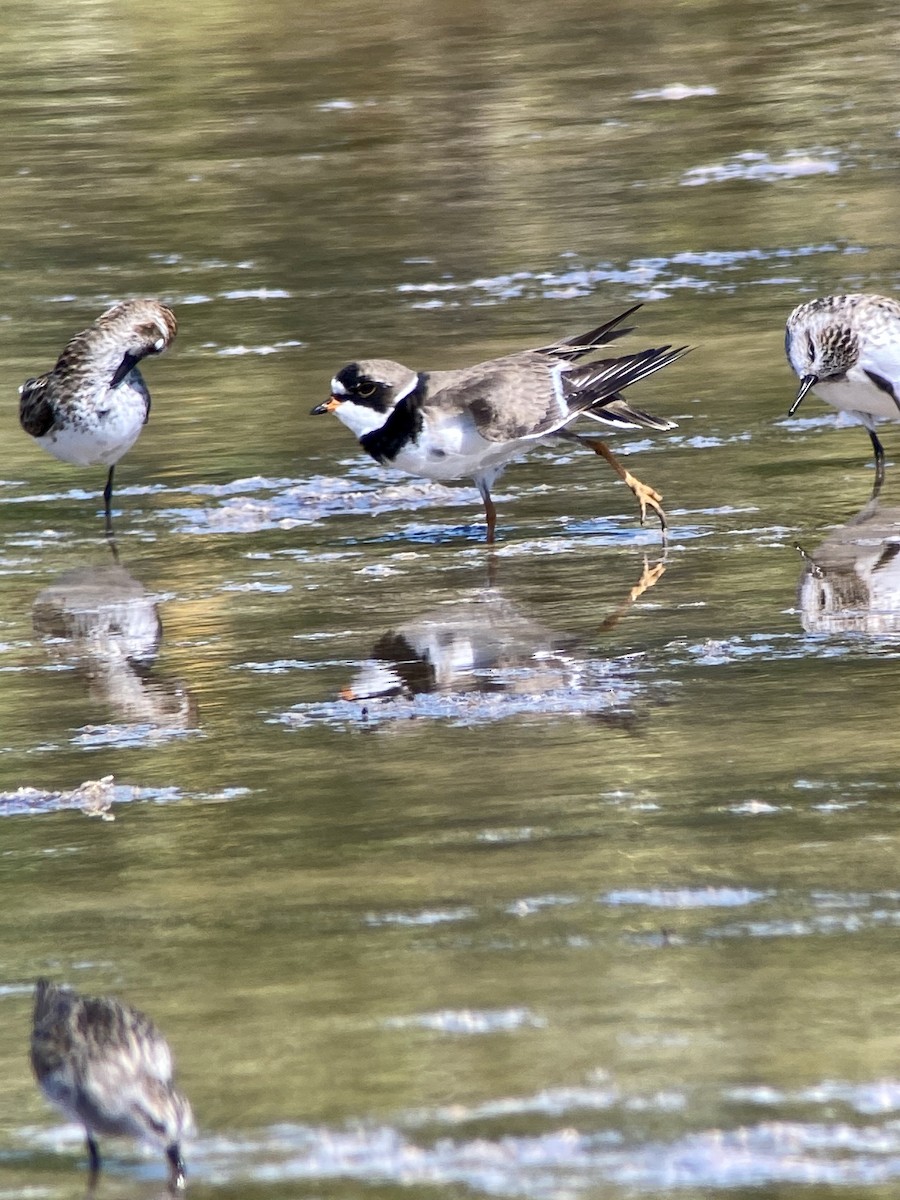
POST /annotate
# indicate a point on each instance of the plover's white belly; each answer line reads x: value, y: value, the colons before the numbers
x: 454, y: 451
x: 98, y: 435
x: 858, y: 396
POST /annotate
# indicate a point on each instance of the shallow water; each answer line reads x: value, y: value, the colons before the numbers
x: 565, y: 871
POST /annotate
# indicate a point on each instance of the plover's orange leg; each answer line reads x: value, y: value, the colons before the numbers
x: 646, y: 496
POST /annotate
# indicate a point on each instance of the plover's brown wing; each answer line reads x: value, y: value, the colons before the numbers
x: 521, y: 398
x: 36, y: 410
x: 507, y: 399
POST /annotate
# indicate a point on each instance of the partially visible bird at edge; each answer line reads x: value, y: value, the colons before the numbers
x: 107, y: 1066
x: 846, y: 348
x: 91, y: 407
x: 471, y: 422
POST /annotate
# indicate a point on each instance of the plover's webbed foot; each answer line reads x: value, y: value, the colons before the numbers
x: 646, y: 496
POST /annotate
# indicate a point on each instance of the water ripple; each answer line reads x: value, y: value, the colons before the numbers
x: 566, y: 1160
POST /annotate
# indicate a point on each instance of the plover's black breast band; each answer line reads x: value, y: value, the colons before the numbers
x: 402, y: 427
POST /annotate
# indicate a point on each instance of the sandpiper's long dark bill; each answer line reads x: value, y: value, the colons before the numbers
x: 471, y: 422
x: 90, y: 409
x: 107, y: 1066
x: 846, y: 349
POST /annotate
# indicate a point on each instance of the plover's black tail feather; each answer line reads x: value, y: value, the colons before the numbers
x: 576, y: 347
x: 615, y: 411
x: 594, y: 389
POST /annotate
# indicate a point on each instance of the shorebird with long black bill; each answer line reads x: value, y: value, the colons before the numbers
x: 471, y: 422
x: 846, y: 349
x: 107, y: 1066
x: 91, y: 407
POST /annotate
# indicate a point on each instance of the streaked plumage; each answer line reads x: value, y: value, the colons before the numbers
x: 90, y: 409
x: 847, y: 350
x: 107, y: 1066
x: 471, y: 422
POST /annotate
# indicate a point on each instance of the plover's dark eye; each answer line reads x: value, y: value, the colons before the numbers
x: 365, y: 389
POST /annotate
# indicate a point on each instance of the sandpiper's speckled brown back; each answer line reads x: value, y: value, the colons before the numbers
x: 106, y: 1065
x: 95, y: 360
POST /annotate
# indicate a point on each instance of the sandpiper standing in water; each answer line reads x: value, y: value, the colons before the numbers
x: 471, y: 422
x: 91, y: 407
x: 107, y: 1066
x: 847, y: 350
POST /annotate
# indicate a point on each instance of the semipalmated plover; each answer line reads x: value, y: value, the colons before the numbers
x: 91, y: 407
x: 471, y: 422
x: 847, y: 350
x: 107, y: 1066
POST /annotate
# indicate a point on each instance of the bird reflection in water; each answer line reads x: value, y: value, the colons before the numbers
x: 851, y: 582
x: 484, y: 648
x: 101, y: 620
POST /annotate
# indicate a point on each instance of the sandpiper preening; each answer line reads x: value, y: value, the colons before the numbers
x: 847, y: 350
x: 471, y: 422
x: 90, y: 409
x: 107, y: 1066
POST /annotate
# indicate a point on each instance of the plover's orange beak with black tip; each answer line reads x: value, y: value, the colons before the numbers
x: 329, y: 406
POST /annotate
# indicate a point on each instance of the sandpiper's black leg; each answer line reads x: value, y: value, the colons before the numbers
x: 879, y: 458
x: 94, y: 1162
x: 176, y: 1162
x: 107, y: 498
x: 489, y: 511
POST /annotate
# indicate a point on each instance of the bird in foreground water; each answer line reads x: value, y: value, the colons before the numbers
x: 107, y: 1066
x: 847, y: 350
x: 91, y: 407
x: 471, y: 422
